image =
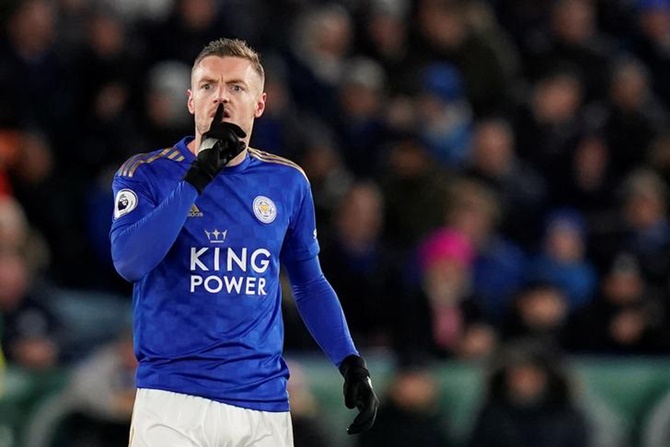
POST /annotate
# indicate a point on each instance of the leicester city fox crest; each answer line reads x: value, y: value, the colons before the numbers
x: 265, y: 209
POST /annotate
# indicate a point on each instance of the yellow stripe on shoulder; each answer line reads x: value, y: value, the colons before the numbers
x: 272, y: 158
x: 129, y: 167
x: 123, y: 170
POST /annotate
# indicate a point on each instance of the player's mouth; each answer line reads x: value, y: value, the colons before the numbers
x: 226, y: 114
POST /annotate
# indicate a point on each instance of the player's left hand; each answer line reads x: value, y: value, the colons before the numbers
x: 358, y: 393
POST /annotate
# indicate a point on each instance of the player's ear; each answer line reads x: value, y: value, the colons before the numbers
x: 260, y: 105
x: 189, y: 102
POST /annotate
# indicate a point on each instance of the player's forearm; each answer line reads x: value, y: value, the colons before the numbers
x: 140, y: 246
x: 320, y: 309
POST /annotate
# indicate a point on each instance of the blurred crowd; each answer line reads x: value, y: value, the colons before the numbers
x: 483, y: 170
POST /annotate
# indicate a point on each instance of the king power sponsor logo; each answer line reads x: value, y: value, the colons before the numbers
x: 225, y: 270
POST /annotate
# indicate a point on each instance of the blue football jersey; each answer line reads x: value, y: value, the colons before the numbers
x: 207, y: 316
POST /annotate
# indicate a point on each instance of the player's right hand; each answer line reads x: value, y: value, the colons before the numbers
x: 220, y: 144
x: 224, y: 137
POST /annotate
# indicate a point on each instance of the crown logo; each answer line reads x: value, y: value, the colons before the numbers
x: 216, y: 236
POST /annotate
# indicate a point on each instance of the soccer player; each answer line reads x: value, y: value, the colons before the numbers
x: 201, y: 228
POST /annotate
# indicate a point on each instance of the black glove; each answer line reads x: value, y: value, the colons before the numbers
x: 220, y: 144
x: 358, y: 393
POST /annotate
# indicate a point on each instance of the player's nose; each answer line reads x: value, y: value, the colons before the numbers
x: 222, y: 95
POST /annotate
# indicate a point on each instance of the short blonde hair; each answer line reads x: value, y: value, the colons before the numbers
x: 233, y: 48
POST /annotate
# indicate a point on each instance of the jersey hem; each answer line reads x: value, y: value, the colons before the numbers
x: 247, y: 405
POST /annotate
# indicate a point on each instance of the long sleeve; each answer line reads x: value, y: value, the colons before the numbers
x: 141, y: 239
x: 320, y: 309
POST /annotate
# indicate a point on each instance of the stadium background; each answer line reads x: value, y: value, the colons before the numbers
x: 536, y: 129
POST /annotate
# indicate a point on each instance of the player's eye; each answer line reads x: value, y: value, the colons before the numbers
x: 206, y: 86
x: 237, y: 88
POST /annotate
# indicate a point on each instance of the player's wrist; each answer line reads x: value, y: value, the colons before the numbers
x: 353, y: 364
x: 198, y: 177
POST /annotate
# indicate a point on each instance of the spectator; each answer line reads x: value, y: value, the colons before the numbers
x: 530, y: 402
x: 415, y: 193
x: 307, y: 417
x: 650, y: 43
x: 590, y: 184
x: 386, y: 39
x: 632, y: 116
x: 133, y: 12
x: 282, y: 129
x: 329, y: 177
x: 52, y: 203
x: 33, y: 75
x: 572, y: 39
x: 562, y: 259
x: 659, y: 159
x: 30, y: 337
x: 101, y: 394
x: 107, y: 69
x: 164, y: 115
x: 524, y: 20
x: 539, y: 312
x: 410, y: 414
x: 628, y: 316
x: 445, y: 32
x: 183, y: 32
x: 317, y: 58
x: 360, y: 122
x: 359, y: 266
x: 647, y: 225
x: 445, y: 115
x: 438, y: 317
x: 641, y: 227
x: 521, y: 191
x: 548, y: 126
x: 499, y: 263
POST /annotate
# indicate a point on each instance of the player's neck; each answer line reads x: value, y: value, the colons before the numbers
x: 238, y: 159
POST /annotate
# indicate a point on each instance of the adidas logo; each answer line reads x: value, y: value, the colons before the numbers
x: 194, y: 211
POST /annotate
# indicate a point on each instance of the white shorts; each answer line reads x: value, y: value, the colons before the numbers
x: 167, y: 419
